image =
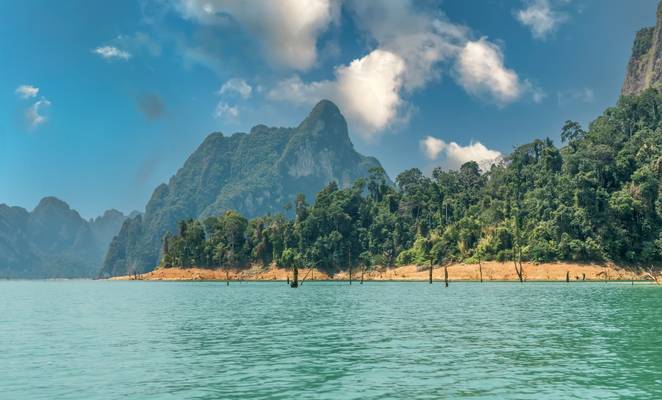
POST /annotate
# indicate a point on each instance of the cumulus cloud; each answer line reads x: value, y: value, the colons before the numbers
x: 225, y: 110
x: 112, y: 52
x: 432, y: 146
x: 410, y: 48
x: 453, y: 155
x: 238, y: 86
x: 367, y: 90
x: 540, y: 18
x: 287, y: 29
x: 34, y: 114
x: 27, y: 91
x: 481, y: 71
x: 423, y: 40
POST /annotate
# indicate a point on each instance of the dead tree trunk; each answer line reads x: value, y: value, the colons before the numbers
x: 567, y: 276
x: 583, y: 276
x: 295, y: 278
x: 480, y: 269
x: 446, y: 275
x: 430, y: 279
x: 519, y: 272
x: 362, y: 272
x: 349, y: 262
x: 227, y: 278
x: 651, y: 274
x: 288, y: 278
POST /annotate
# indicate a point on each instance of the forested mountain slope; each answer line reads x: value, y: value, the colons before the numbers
x: 598, y: 198
x: 256, y: 174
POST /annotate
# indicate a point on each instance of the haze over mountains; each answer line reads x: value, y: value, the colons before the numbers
x: 53, y: 241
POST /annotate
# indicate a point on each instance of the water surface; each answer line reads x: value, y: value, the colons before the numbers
x: 204, y: 340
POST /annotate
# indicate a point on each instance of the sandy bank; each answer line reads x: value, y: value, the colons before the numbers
x: 492, y: 271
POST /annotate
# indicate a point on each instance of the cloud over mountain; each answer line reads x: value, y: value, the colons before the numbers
x: 453, y: 155
x: 410, y: 49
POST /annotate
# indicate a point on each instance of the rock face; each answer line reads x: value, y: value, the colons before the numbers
x: 255, y: 173
x: 53, y: 241
x: 645, y: 66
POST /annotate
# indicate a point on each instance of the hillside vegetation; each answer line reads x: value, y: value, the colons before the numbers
x: 595, y: 199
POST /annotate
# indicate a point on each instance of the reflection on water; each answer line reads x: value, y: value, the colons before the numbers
x: 167, y: 340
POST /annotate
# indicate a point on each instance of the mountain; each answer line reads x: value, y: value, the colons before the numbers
x: 53, y: 241
x: 255, y: 173
x: 645, y: 67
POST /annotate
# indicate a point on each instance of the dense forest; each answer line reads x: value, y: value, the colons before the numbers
x: 595, y: 199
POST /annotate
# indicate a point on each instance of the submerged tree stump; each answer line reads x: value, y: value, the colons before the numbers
x: 519, y: 271
x: 446, y: 275
x: 295, y: 278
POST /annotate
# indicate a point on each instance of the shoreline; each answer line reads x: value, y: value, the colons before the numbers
x: 492, y: 272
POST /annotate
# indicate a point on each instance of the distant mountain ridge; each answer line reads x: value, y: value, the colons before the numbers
x: 255, y: 173
x: 53, y: 241
x: 645, y: 66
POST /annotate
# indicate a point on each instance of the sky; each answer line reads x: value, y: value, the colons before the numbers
x: 102, y: 101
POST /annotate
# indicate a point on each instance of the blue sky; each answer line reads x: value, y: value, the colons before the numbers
x: 102, y: 101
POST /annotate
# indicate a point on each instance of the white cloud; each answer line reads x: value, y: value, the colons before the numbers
x: 27, y: 91
x: 454, y: 155
x: 410, y: 47
x: 287, y: 29
x: 481, y: 72
x: 539, y: 17
x: 367, y: 91
x: 112, y: 52
x: 582, y: 95
x: 432, y: 147
x: 225, y: 110
x: 422, y: 39
x: 371, y: 90
x: 238, y: 86
x: 34, y: 113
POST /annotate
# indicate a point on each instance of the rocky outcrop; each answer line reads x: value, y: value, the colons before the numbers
x: 645, y: 67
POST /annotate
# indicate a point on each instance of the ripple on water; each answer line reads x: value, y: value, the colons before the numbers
x: 167, y: 340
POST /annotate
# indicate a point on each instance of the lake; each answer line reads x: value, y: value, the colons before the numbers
x: 205, y: 340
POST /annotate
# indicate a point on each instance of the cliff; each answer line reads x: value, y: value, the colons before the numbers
x: 645, y: 66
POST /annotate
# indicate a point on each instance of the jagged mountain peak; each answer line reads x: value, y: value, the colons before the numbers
x: 52, y: 202
x: 255, y: 173
x: 327, y: 121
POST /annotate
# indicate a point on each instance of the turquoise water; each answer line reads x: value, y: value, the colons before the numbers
x: 203, y: 340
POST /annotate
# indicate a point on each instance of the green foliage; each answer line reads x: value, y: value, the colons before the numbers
x: 255, y: 173
x: 596, y: 199
x: 643, y: 41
